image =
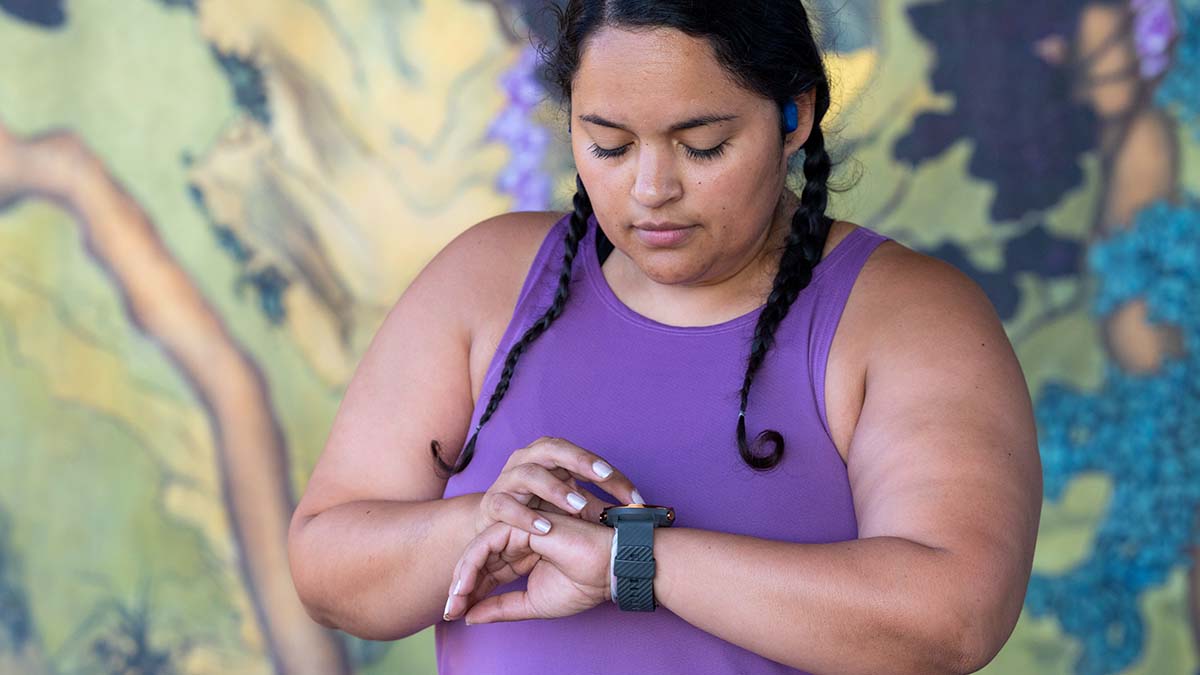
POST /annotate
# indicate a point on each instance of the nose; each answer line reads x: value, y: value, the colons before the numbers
x: 656, y: 183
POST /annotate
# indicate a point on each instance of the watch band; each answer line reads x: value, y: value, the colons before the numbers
x: 612, y: 575
x: 634, y: 566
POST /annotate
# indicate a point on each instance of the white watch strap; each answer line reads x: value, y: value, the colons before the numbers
x: 612, y: 557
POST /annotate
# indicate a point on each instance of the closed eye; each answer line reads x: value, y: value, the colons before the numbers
x: 710, y: 153
x: 604, y: 153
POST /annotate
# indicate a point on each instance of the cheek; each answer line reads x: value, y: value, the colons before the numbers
x: 730, y: 185
x: 597, y: 173
x: 603, y: 183
x: 608, y: 185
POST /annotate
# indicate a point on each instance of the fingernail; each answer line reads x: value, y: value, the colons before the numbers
x: 458, y: 586
x: 446, y: 612
x: 637, y: 499
x: 602, y: 469
x: 576, y: 501
x: 542, y: 525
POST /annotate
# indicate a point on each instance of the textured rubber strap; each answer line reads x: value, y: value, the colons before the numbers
x: 634, y: 566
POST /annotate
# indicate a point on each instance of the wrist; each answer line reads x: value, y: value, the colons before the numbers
x: 474, y: 504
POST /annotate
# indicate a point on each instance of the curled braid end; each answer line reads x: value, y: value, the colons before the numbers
x: 754, y: 457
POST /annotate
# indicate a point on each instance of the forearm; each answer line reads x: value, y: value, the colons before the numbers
x: 861, y: 606
x: 381, y: 570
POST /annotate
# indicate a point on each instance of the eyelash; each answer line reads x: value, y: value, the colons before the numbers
x: 711, y: 153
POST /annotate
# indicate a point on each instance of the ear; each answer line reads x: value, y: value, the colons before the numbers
x: 804, y: 104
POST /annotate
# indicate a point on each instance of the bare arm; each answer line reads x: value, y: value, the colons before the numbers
x: 862, y: 606
x: 947, y: 489
x: 372, y: 545
x: 378, y: 569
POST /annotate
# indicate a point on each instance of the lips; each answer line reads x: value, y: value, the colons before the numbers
x: 659, y: 227
x: 664, y: 238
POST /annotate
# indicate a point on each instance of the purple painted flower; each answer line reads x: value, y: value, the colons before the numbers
x: 522, y: 177
x: 1154, y: 28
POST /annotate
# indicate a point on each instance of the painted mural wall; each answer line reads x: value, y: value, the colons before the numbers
x: 207, y: 207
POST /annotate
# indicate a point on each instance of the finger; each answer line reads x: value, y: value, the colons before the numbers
x: 551, y: 489
x: 466, y: 570
x: 511, y: 606
x: 457, y: 574
x: 550, y: 508
x: 490, y: 542
x: 593, y: 506
x: 492, y: 506
x: 453, y: 599
x: 485, y: 560
x: 576, y: 547
x: 457, y: 605
x: 505, y: 509
x: 538, y: 505
x: 514, y: 459
x: 551, y: 452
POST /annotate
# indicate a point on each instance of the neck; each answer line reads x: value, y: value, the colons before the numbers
x: 714, y: 301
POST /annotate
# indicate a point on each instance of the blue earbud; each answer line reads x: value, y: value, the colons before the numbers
x: 791, y: 117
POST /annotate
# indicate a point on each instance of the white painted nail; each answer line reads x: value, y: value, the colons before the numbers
x: 576, y: 501
x: 458, y: 586
x: 602, y: 469
x: 446, y: 612
x: 542, y: 525
x: 637, y: 499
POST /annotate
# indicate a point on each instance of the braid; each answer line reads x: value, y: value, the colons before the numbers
x: 805, y: 244
x: 583, y: 211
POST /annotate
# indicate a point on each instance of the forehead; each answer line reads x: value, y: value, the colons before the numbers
x: 660, y: 72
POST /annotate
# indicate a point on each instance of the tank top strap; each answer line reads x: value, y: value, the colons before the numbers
x: 833, y: 279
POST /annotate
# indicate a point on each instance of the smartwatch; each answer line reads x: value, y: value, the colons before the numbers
x: 633, y: 565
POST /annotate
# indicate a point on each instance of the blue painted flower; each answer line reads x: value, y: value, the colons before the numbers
x: 1143, y: 432
x: 1179, y: 90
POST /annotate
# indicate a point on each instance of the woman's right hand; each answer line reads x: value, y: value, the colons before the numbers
x: 542, y: 476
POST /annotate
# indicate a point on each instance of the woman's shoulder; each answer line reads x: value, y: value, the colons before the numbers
x: 512, y: 233
x: 494, y: 248
x: 507, y: 244
x: 906, y: 307
x: 501, y: 249
x: 899, y: 288
x: 501, y: 252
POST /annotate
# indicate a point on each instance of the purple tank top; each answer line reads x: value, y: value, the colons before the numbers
x: 660, y: 402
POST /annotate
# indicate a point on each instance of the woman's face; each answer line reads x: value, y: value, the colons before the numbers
x: 680, y: 142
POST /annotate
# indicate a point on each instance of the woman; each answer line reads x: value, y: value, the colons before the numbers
x: 885, y: 520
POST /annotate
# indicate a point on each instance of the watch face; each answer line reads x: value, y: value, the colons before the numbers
x: 663, y: 516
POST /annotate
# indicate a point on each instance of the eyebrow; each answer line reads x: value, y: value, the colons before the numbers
x: 694, y: 122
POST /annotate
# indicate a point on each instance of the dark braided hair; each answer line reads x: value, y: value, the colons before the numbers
x: 768, y: 47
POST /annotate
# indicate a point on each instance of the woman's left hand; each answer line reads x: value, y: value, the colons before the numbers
x: 567, y: 569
